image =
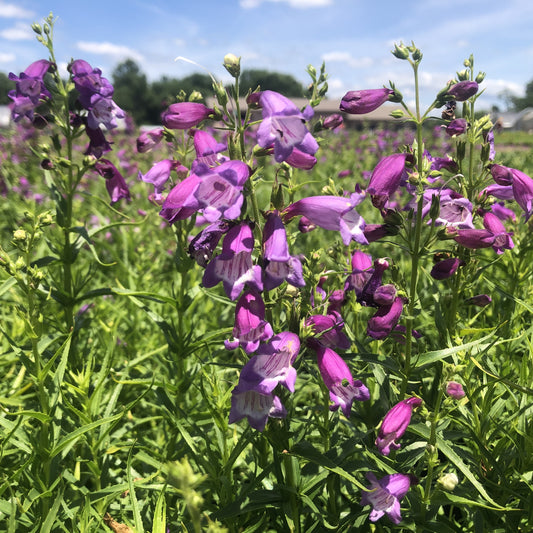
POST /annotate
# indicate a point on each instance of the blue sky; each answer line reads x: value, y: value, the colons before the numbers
x: 353, y: 37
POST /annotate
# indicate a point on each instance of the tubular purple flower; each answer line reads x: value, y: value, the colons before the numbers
x: 366, y: 296
x: 384, y: 496
x: 503, y: 212
x: 343, y: 390
x: 328, y: 330
x: 457, y: 126
x: 98, y: 144
x: 202, y: 246
x: 454, y: 210
x: 114, y: 181
x: 523, y: 191
x: 333, y: 121
x: 89, y: 82
x: 502, y: 239
x: 279, y: 265
x: 208, y: 149
x: 301, y: 160
x: 361, y: 272
x: 185, y: 115
x: 365, y: 101
x: 103, y: 111
x: 234, y: 265
x: 480, y: 300
x: 250, y: 325
x: 501, y: 175
x: 148, y: 139
x: 283, y: 126
x: 463, y: 90
x: 385, y: 295
x: 334, y: 213
x: 394, y: 424
x: 385, y: 319
x: 159, y: 174
x: 446, y: 268
x: 271, y: 365
x: 474, y: 238
x: 181, y: 203
x: 256, y: 407
x: 386, y: 178
x: 219, y: 193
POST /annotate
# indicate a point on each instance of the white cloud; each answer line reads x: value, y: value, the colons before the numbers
x: 494, y: 87
x: 347, y: 58
x: 109, y: 49
x: 6, y: 58
x: 19, y: 32
x: 298, y: 4
x: 9, y: 11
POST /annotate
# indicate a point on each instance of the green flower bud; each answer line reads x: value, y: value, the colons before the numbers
x: 19, y: 235
x: 480, y: 77
x: 37, y: 28
x: 417, y: 55
x: 401, y: 51
x: 195, y: 96
x: 397, y: 113
x: 220, y: 93
x: 20, y: 263
x: 232, y: 64
x: 463, y: 75
x: 448, y: 481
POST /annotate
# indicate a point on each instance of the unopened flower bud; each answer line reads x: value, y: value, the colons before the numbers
x: 20, y: 263
x: 220, y: 93
x: 480, y: 77
x: 232, y: 64
x: 462, y: 75
x: 19, y: 235
x: 37, y: 28
x: 417, y: 55
x: 400, y: 51
x: 195, y: 96
x: 448, y: 481
x: 397, y: 113
x: 455, y: 390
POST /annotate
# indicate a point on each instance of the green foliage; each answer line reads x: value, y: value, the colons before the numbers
x: 6, y: 85
x: 267, y: 80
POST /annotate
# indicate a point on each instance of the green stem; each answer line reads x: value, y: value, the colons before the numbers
x: 291, y: 464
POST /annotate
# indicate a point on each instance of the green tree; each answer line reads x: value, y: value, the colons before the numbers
x: 273, y: 81
x: 518, y: 103
x: 5, y: 86
x: 132, y: 90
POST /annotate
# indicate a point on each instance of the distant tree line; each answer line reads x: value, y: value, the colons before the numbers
x: 145, y: 101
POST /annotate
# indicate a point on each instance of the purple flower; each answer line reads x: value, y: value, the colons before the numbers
x: 501, y: 175
x: 328, y: 330
x: 89, y: 82
x: 365, y: 101
x: 98, y: 144
x: 386, y: 178
x: 208, y: 149
x: 234, y: 265
x: 185, y: 115
x: 333, y: 121
x: 283, y: 126
x: 473, y: 238
x: 394, y: 424
x: 454, y: 210
x: 29, y: 90
x: 446, y: 268
x: 502, y: 239
x: 279, y: 265
x: 366, y: 295
x: 385, y: 319
x: 159, y: 174
x: 463, y: 90
x: 457, y: 126
x: 523, y: 191
x: 299, y: 159
x: 202, y: 246
x: 250, y: 324
x: 384, y: 496
x: 103, y: 111
x: 115, y: 183
x: 256, y: 407
x: 181, y: 203
x: 455, y: 390
x: 334, y: 213
x: 343, y: 390
x: 271, y: 365
x: 148, y: 139
x: 361, y: 272
x: 480, y: 300
x: 503, y: 212
x: 219, y: 192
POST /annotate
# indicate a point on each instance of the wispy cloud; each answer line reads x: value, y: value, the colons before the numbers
x: 20, y: 32
x: 298, y: 4
x: 12, y: 11
x: 110, y: 49
x: 348, y: 59
x: 6, y: 58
